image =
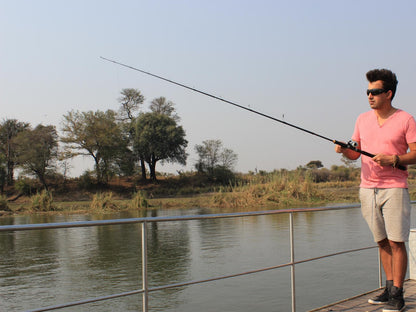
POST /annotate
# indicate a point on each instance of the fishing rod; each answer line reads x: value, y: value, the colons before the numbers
x: 350, y: 145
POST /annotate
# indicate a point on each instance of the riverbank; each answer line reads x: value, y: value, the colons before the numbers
x: 237, y: 200
x: 256, y: 193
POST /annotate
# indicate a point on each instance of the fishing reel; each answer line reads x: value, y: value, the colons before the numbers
x: 352, y: 144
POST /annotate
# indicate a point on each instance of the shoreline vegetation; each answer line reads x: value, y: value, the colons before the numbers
x: 263, y: 191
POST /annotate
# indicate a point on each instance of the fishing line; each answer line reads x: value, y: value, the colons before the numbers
x: 350, y: 145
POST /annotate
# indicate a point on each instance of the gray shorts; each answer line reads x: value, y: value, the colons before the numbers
x: 387, y: 212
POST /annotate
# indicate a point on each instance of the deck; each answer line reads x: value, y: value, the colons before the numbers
x: 359, y: 303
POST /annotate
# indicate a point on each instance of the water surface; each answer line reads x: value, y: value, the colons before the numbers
x: 47, y: 267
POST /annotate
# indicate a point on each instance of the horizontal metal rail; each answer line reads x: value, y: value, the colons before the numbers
x: 145, y: 289
x: 74, y: 224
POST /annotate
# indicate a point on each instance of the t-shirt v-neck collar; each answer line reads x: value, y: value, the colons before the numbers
x: 386, y: 120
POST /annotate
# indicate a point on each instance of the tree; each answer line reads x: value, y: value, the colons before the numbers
x: 95, y: 134
x: 314, y: 164
x: 208, y: 154
x: 228, y: 158
x: 212, y: 155
x: 130, y: 101
x: 349, y: 163
x: 9, y: 129
x: 63, y: 163
x: 37, y: 151
x: 2, y: 173
x: 161, y: 106
x: 159, y: 138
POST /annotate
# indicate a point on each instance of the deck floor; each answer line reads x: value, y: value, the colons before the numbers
x: 359, y: 303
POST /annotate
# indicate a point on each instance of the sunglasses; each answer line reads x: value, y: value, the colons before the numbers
x: 376, y: 91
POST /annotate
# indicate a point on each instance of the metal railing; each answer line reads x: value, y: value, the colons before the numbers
x: 145, y: 290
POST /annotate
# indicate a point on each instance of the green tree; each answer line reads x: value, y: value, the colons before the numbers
x: 95, y: 134
x: 9, y: 129
x: 212, y: 155
x: 314, y: 164
x: 37, y: 151
x: 159, y: 138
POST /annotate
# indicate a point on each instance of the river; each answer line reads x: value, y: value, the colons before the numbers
x: 46, y: 267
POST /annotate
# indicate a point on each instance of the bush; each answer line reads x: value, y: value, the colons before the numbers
x: 42, y: 201
x: 103, y: 201
x: 4, y: 204
x: 138, y: 201
x: 223, y: 175
x: 25, y: 186
x: 86, y: 180
x: 320, y: 175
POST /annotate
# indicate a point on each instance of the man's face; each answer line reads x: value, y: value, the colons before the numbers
x: 378, y: 101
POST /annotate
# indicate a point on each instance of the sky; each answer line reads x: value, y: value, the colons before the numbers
x: 300, y: 61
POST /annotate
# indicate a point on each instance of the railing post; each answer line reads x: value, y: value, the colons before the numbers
x: 412, y: 254
x: 145, y: 294
x: 292, y: 261
x: 380, y: 270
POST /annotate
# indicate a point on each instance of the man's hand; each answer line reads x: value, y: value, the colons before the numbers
x: 339, y: 148
x: 384, y: 160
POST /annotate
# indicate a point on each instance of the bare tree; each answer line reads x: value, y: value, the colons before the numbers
x: 162, y: 106
x: 212, y: 155
x: 130, y: 101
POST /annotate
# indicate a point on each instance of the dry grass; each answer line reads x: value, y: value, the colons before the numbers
x: 275, y: 190
x: 103, y: 201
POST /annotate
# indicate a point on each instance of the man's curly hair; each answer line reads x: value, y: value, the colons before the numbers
x: 387, y: 76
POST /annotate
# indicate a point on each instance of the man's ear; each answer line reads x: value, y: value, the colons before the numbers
x: 389, y: 94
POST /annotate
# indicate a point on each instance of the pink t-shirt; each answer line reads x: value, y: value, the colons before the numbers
x: 391, y: 138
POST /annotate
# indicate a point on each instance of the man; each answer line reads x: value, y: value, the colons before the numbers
x: 390, y: 134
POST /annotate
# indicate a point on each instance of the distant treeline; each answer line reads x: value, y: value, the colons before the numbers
x: 127, y: 142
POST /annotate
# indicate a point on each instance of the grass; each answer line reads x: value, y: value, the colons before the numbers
x: 42, y: 201
x: 275, y: 190
x: 103, y: 202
